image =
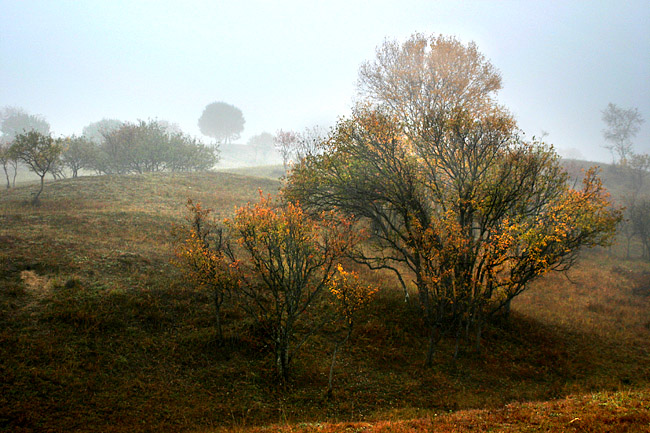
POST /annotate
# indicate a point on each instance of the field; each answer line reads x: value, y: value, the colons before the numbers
x: 99, y: 332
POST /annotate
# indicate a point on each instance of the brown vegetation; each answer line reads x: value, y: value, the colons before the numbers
x: 118, y: 342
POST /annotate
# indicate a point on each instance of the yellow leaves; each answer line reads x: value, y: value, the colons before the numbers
x: 351, y: 296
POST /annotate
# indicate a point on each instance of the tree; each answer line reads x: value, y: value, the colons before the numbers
x: 203, y: 253
x: 9, y: 163
x: 293, y: 146
x: 427, y: 77
x: 350, y: 297
x: 95, y: 131
x: 458, y: 204
x: 309, y: 143
x: 264, y: 147
x: 190, y: 154
x: 15, y: 121
x: 221, y: 121
x: 622, y: 127
x: 79, y: 154
x: 290, y: 261
x: 635, y: 171
x: 640, y: 218
x: 265, y: 139
x: 285, y: 143
x: 148, y: 146
x: 40, y: 152
x: 281, y: 273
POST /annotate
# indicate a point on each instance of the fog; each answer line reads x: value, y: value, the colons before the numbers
x: 293, y: 64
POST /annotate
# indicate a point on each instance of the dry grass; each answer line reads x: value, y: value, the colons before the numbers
x: 99, y: 333
x: 601, y: 412
x: 268, y: 171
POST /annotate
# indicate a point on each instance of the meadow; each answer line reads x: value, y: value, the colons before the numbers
x: 100, y: 332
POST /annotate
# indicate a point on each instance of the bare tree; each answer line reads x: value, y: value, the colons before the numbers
x: 622, y: 127
x: 294, y: 147
x: 285, y: 143
x: 309, y: 143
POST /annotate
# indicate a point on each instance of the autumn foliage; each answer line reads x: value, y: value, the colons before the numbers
x: 282, y: 268
x: 203, y: 254
x: 468, y: 219
x: 460, y: 206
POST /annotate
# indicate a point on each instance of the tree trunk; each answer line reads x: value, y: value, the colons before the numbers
x: 6, y: 175
x: 506, y: 309
x: 282, y: 356
x: 479, y: 330
x: 457, y: 346
x: 627, y: 250
x: 336, y: 349
x: 433, y: 342
x: 35, y: 199
x: 217, y: 305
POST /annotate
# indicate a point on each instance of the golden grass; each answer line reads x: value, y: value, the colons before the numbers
x: 625, y: 411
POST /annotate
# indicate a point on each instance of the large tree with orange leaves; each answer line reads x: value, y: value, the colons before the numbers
x: 459, y: 205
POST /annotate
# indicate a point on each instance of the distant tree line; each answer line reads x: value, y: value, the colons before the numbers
x: 145, y: 146
x: 105, y: 147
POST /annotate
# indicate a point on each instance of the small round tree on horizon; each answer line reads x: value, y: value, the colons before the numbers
x: 222, y: 121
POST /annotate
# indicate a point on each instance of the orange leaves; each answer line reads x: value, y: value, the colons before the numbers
x: 350, y: 294
x: 204, y: 266
x: 429, y: 74
x: 290, y: 263
x: 458, y: 202
x: 286, y: 229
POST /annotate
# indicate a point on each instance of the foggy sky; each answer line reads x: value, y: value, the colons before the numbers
x: 294, y: 64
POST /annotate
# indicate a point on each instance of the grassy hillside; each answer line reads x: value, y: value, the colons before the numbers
x: 269, y: 171
x: 98, y: 332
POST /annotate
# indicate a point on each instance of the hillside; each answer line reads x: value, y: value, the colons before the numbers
x: 99, y: 332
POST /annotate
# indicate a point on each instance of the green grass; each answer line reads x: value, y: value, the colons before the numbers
x: 98, y: 332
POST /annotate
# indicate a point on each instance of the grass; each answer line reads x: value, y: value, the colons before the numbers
x: 98, y: 332
x: 605, y: 411
x: 269, y: 171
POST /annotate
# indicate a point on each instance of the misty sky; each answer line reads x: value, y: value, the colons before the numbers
x: 294, y: 64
